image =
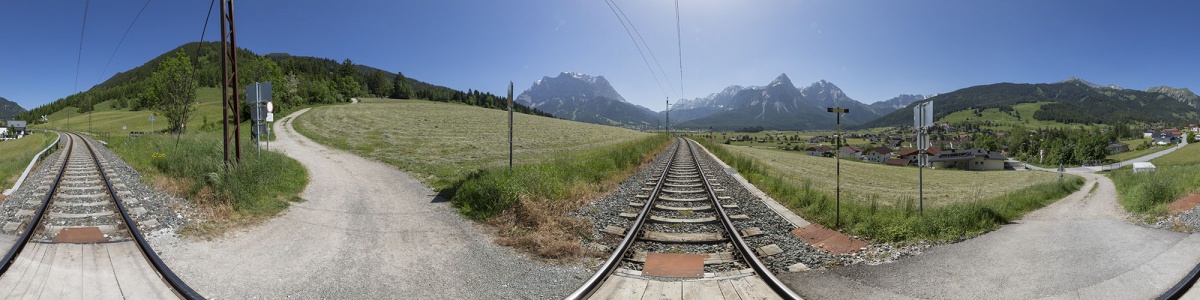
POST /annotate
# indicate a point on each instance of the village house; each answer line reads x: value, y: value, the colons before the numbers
x: 821, y: 150
x: 1117, y: 147
x: 896, y: 161
x: 1164, y: 138
x: 970, y: 159
x: 910, y: 154
x: 878, y: 154
x: 818, y: 139
x: 1147, y: 134
x: 1174, y: 131
x: 850, y: 152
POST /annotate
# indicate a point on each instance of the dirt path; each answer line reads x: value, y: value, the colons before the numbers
x: 364, y: 231
x: 1078, y: 247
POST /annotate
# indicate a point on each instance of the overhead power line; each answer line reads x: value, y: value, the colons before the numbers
x: 639, y: 48
x: 652, y: 56
x: 679, y: 38
x: 205, y: 29
x: 79, y: 57
x: 114, y: 54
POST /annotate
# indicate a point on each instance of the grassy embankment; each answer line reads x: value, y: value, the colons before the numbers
x: 192, y: 166
x: 881, y: 202
x: 462, y: 151
x: 1149, y: 193
x: 15, y: 155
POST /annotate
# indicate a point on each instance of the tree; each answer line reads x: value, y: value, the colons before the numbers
x: 173, y: 91
x: 379, y: 85
x: 400, y: 90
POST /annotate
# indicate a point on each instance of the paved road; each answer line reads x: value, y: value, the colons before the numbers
x: 364, y: 231
x: 1144, y: 158
x: 1078, y: 247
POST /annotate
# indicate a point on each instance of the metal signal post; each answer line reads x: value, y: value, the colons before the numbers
x: 510, y: 125
x: 838, y: 157
x: 229, y: 79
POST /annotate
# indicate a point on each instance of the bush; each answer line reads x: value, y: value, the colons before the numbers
x: 261, y: 186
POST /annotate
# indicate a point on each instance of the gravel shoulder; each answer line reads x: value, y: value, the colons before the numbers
x: 1078, y: 247
x: 364, y: 230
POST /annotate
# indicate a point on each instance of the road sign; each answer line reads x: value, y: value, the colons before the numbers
x: 923, y: 115
x: 260, y: 128
x: 270, y: 117
x: 151, y: 117
x: 258, y: 113
x: 270, y: 107
x: 258, y: 92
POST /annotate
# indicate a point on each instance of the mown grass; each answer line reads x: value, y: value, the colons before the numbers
x: 462, y: 151
x: 529, y: 203
x: 192, y: 165
x: 901, y: 220
x: 443, y: 143
x: 890, y: 186
x: 16, y: 154
x: 1149, y: 193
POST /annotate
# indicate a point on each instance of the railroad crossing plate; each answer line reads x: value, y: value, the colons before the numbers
x: 674, y: 265
x: 80, y: 235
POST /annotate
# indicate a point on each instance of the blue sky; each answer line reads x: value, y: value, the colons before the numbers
x: 873, y: 50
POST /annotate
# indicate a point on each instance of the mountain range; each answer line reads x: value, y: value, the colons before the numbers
x: 777, y: 105
x: 8, y: 109
x: 584, y: 98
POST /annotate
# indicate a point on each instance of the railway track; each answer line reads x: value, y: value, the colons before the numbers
x: 79, y: 242
x: 682, y: 243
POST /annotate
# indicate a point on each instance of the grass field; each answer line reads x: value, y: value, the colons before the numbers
x: 444, y: 142
x: 889, y: 185
x: 15, y: 155
x: 1149, y: 193
x: 1025, y: 110
x: 892, y: 216
x: 462, y: 151
x: 106, y: 120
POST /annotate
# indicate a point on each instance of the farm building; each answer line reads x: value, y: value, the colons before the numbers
x: 970, y: 159
x: 899, y: 162
x: 1117, y: 147
x: 850, y: 152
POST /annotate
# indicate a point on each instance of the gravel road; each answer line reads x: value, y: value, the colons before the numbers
x: 365, y: 231
x: 1078, y: 247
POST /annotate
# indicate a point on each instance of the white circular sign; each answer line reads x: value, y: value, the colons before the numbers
x: 270, y: 106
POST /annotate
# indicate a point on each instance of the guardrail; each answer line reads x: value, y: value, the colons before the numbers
x: 32, y: 162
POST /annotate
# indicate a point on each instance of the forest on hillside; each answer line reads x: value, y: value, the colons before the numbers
x: 296, y: 81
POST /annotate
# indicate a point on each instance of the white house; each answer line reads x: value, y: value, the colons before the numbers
x: 970, y: 159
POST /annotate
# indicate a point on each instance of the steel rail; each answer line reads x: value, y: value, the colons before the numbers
x: 1184, y: 285
x: 37, y: 217
x: 609, y: 265
x: 173, y: 280
x: 736, y: 237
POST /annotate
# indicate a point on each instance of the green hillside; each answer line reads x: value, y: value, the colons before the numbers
x: 297, y: 81
x: 1068, y: 102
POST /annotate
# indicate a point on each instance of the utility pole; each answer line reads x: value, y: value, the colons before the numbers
x: 229, y: 78
x: 837, y: 221
x: 90, y: 109
x: 510, y: 125
x: 668, y: 116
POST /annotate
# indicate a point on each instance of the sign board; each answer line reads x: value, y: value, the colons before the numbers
x: 270, y: 107
x: 258, y: 92
x: 270, y: 117
x: 260, y: 129
x: 258, y: 113
x: 923, y: 115
x: 151, y: 117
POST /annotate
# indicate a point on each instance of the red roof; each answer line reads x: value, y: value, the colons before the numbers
x: 896, y: 162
